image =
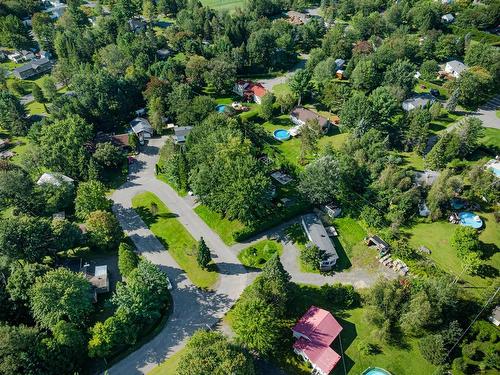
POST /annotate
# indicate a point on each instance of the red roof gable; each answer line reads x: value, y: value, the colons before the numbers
x: 258, y: 89
x: 321, y: 356
x: 319, y: 329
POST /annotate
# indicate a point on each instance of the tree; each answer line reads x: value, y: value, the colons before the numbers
x: 16, y: 189
x: 12, y: 114
x: 203, y: 254
x: 286, y: 101
x: 324, y: 71
x: 67, y: 235
x: 417, y: 316
x: 401, y: 74
x: 445, y: 150
x: 104, y: 230
x: 311, y: 257
x: 48, y: 86
x: 211, y: 352
x: 473, y: 86
x: 465, y: 240
x: 61, y: 295
x: 365, y: 76
x: 266, y: 106
x: 356, y: 113
x: 38, y: 94
x: 444, y: 188
x: 425, y: 15
x: 44, y: 30
x: 261, y: 48
x: 68, y: 137
x: 310, y: 133
x: 149, y: 10
x: 481, y: 54
x: 25, y: 237
x: 221, y: 74
x: 432, y: 348
x: 21, y: 279
x: 469, y: 131
x: 417, y: 132
x: 19, y: 350
x: 13, y: 33
x: 429, y: 69
x: 90, y: 197
x: 108, y: 155
x: 273, y: 285
x: 127, y: 259
x: 299, y: 83
x: 335, y: 94
x: 257, y: 326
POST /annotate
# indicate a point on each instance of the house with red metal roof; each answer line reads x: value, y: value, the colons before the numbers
x: 250, y: 91
x: 315, y: 332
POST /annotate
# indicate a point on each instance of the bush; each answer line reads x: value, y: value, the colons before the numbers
x: 127, y: 259
x: 432, y: 349
x: 311, y: 256
x: 341, y: 296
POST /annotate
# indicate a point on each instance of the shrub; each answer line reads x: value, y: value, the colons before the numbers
x: 367, y: 348
x: 311, y: 256
x: 127, y: 259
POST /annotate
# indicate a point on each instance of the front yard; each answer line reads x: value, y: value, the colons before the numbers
x: 257, y: 255
x: 176, y: 239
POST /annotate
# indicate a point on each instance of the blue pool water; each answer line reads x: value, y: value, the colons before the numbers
x: 281, y: 134
x: 496, y: 171
x: 468, y: 219
x: 376, y: 371
x: 220, y: 108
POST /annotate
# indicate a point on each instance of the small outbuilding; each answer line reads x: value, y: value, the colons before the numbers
x: 181, y: 133
x: 379, y: 243
x: 447, y: 18
x: 495, y: 316
x: 55, y: 179
x: 142, y: 128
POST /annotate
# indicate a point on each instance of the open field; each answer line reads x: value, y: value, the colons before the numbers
x: 257, y: 255
x: 224, y: 4
x: 176, y: 239
x: 436, y: 236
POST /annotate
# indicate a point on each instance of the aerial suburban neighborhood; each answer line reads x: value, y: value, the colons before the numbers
x: 249, y: 187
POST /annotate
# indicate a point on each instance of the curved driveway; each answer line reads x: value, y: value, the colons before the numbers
x: 193, y: 308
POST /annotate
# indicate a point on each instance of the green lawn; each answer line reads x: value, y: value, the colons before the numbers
x: 175, y: 238
x: 223, y: 227
x: 436, y: 236
x: 291, y: 149
x: 169, y: 366
x: 446, y: 119
x: 281, y: 89
x: 35, y: 108
x: 491, y: 139
x: 257, y: 255
x: 413, y: 160
x: 223, y: 4
x: 437, y: 85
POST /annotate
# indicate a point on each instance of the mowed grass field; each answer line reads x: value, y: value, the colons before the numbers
x: 224, y: 4
x: 176, y: 239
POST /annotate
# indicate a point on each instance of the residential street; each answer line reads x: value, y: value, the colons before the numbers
x: 194, y: 308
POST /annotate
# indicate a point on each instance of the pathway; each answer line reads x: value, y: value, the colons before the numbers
x: 193, y: 308
x: 487, y: 113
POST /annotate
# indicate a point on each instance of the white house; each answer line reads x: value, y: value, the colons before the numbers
x: 317, y: 235
x: 418, y: 101
x: 495, y: 316
x: 447, y: 18
x: 250, y: 91
x: 142, y: 128
x: 455, y: 68
x: 55, y: 179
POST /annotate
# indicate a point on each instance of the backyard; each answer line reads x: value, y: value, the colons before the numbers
x: 436, y: 237
x: 176, y: 239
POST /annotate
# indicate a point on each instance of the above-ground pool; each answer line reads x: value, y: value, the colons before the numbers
x: 220, y: 108
x: 470, y: 219
x: 281, y: 135
x: 496, y: 169
x: 375, y: 371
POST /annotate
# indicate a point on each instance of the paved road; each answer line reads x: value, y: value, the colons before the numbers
x: 193, y: 308
x: 271, y: 82
x: 487, y: 113
x: 26, y: 99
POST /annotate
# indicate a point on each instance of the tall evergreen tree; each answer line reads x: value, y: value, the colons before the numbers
x: 203, y: 254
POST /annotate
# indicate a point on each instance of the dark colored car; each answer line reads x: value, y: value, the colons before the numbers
x: 434, y: 92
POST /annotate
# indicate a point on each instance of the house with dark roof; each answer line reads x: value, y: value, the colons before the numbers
x: 379, y: 243
x: 33, y: 68
x: 142, y: 128
x: 300, y: 116
x: 317, y: 235
x: 181, y: 133
x: 315, y: 332
x: 136, y: 25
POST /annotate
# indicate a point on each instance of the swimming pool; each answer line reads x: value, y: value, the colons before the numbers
x: 470, y: 219
x: 376, y: 371
x: 496, y: 170
x: 220, y: 108
x: 281, y: 135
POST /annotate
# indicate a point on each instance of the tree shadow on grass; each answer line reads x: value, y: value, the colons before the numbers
x: 486, y: 271
x: 148, y: 217
x: 488, y: 250
x: 342, y: 343
x: 343, y: 263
